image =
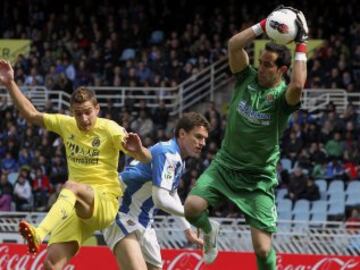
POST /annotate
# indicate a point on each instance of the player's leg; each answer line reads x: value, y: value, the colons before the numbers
x: 128, y: 253
x: 204, y: 193
x: 207, y: 191
x: 260, y: 212
x: 152, y: 267
x: 59, y: 254
x: 265, y: 254
x: 150, y: 249
x: 73, y: 195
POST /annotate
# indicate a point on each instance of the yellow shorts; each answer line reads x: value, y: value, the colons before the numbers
x: 77, y: 229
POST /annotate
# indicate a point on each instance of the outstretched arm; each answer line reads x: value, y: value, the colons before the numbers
x: 299, y: 72
x: 26, y: 108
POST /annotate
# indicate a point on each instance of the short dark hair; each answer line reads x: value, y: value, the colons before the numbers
x: 83, y: 94
x: 190, y: 120
x: 283, y: 52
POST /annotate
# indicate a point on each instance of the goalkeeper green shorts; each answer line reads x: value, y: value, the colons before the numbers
x: 258, y: 205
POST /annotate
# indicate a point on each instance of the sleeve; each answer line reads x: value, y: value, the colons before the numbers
x: 170, y: 203
x: 118, y: 134
x: 244, y: 77
x: 248, y: 72
x: 285, y: 107
x: 163, y: 169
x: 55, y: 122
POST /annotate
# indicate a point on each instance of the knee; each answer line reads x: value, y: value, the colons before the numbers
x: 193, y: 208
x: 49, y: 265
x: 70, y: 185
x: 262, y: 251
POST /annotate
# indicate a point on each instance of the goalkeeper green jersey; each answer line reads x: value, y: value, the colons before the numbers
x: 257, y: 117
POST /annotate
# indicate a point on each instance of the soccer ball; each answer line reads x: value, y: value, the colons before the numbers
x: 281, y: 26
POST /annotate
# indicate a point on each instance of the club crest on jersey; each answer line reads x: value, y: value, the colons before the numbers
x: 71, y: 137
x: 269, y: 98
x: 96, y: 142
x: 130, y: 222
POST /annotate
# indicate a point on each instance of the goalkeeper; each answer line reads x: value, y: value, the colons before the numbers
x: 244, y: 169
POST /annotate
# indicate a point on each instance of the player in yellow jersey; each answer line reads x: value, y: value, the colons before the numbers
x: 89, y: 199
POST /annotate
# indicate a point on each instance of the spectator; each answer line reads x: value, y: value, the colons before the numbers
x: 334, y: 147
x: 297, y: 184
x: 41, y: 190
x: 22, y: 193
x: 311, y: 192
x: 161, y: 115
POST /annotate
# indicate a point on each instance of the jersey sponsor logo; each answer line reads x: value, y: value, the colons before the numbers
x: 253, y: 116
x: 82, y: 155
x: 270, y: 98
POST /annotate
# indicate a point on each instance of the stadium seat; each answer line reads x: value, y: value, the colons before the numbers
x: 322, y: 184
x: 353, y: 188
x: 301, y: 221
x: 281, y: 193
x: 336, y: 208
x: 284, y: 205
x: 157, y: 37
x: 336, y: 186
x: 319, y: 207
x: 353, y: 200
x: 285, y: 215
x: 284, y: 226
x: 318, y: 219
x: 337, y: 197
x: 301, y: 206
x: 127, y: 54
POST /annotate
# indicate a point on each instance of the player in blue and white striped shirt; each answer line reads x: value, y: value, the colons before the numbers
x: 149, y: 187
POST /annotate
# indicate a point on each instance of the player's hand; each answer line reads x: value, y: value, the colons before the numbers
x: 6, y: 72
x: 193, y: 238
x: 303, y: 29
x: 132, y: 143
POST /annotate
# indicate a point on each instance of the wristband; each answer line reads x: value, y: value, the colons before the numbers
x: 300, y: 52
x: 259, y: 28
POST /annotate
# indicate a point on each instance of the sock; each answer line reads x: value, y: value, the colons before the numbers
x: 268, y: 263
x: 201, y: 221
x: 60, y: 210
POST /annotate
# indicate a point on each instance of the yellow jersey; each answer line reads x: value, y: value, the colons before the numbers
x: 92, y: 156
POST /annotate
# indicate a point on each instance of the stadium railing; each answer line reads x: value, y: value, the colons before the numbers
x: 192, y: 91
x: 292, y: 237
x: 197, y: 88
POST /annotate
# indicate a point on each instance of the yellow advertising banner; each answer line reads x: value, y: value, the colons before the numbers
x: 260, y: 44
x: 11, y: 48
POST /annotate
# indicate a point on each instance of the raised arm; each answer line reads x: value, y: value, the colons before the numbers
x: 238, y: 57
x: 299, y: 72
x: 135, y: 149
x: 26, y: 108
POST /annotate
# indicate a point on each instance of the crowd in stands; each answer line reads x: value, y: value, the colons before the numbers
x: 153, y: 44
